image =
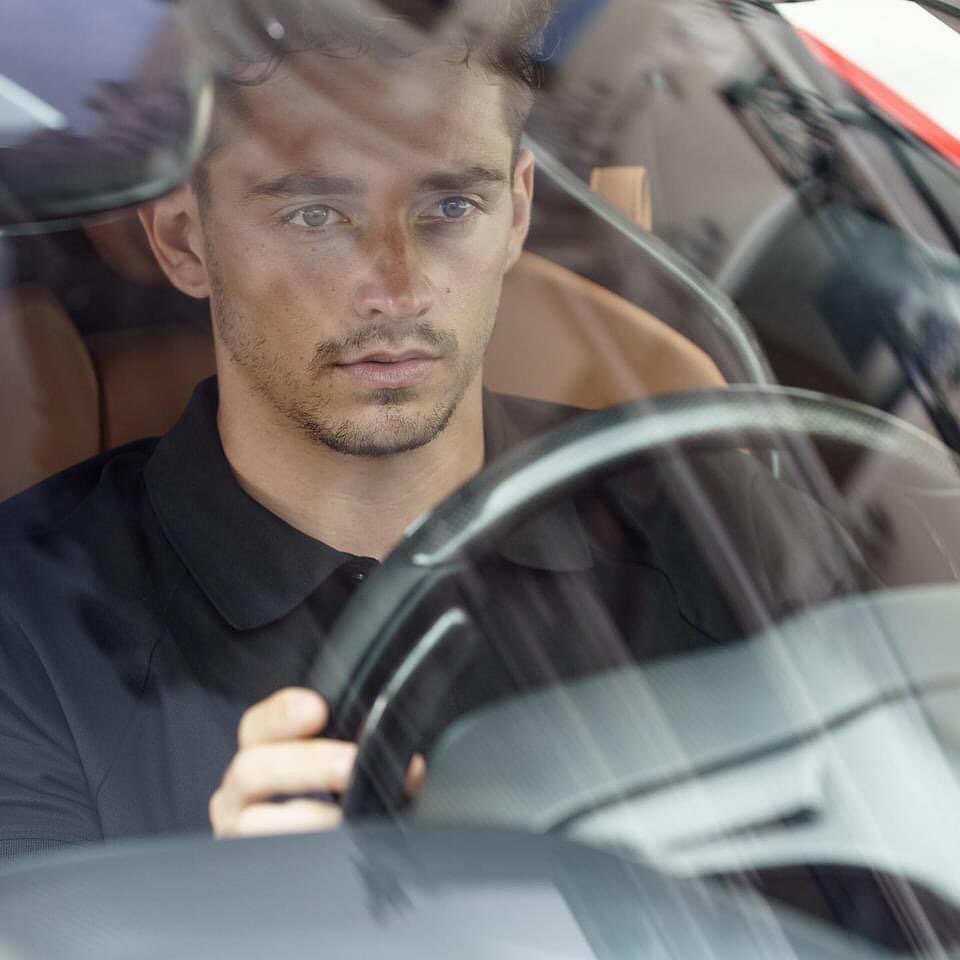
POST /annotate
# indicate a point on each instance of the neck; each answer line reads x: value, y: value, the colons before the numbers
x: 360, y: 505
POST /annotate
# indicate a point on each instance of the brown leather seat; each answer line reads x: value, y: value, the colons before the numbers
x: 559, y: 337
x: 49, y: 404
x: 146, y: 376
x: 562, y: 338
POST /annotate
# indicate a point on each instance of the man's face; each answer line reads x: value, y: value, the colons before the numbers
x: 359, y: 223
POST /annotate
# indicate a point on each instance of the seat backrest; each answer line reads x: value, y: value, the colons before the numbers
x: 560, y: 337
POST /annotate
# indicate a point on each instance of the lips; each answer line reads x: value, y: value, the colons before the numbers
x: 384, y: 369
x: 383, y: 356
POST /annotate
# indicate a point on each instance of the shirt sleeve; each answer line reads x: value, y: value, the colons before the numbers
x: 45, y: 799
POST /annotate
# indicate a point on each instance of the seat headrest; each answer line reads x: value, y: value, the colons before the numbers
x: 628, y: 190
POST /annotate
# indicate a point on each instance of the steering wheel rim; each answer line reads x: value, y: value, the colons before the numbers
x: 366, y: 662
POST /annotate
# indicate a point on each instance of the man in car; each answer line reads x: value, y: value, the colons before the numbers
x: 351, y: 222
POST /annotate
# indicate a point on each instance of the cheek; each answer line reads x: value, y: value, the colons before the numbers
x: 468, y: 273
x: 287, y: 290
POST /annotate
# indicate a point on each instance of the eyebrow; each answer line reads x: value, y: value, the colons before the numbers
x: 463, y: 180
x: 298, y: 185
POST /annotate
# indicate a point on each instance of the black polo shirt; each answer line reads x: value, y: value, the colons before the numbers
x: 146, y: 601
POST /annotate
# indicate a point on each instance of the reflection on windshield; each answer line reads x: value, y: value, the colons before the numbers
x: 110, y: 124
x: 537, y: 417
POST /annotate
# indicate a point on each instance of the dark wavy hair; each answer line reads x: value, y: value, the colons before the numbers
x: 249, y: 39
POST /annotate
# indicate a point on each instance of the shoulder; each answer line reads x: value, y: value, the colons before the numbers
x: 84, y: 576
x: 536, y: 414
x: 723, y: 517
x: 76, y: 539
x: 47, y: 507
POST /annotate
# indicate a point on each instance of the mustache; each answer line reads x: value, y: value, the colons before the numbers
x: 421, y: 334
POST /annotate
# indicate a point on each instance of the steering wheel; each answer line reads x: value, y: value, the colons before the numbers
x: 384, y: 645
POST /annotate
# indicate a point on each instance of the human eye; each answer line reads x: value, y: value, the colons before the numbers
x: 452, y: 210
x: 314, y: 216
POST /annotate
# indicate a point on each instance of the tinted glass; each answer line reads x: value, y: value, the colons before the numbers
x: 688, y: 597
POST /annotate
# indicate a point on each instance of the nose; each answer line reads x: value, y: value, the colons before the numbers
x: 394, y: 285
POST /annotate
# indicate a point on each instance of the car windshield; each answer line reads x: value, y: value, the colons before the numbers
x: 567, y: 392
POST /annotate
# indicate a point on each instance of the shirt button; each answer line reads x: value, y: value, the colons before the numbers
x: 357, y: 570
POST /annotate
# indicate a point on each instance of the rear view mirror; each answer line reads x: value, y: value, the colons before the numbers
x: 103, y: 104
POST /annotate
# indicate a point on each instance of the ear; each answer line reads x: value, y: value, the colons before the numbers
x: 522, y: 197
x: 175, y: 232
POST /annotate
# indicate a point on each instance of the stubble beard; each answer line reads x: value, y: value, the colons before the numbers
x: 302, y: 400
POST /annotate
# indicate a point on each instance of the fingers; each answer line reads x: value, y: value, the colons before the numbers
x: 260, y: 773
x: 279, y: 755
x: 294, y: 816
x: 416, y: 773
x: 290, y: 714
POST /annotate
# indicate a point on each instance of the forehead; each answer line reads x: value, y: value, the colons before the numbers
x: 412, y: 112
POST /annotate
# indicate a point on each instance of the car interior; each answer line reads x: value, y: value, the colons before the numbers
x: 752, y: 753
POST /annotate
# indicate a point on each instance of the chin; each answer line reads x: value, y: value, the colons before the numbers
x: 392, y: 423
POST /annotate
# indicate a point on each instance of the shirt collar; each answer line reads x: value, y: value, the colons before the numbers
x: 223, y: 535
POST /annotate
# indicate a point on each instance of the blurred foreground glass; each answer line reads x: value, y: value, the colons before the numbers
x: 102, y: 105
